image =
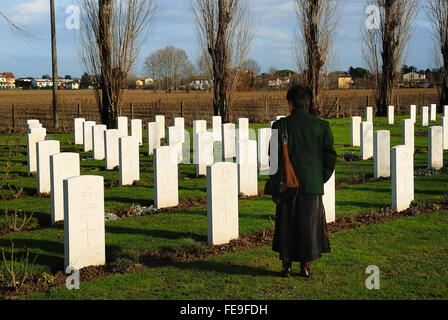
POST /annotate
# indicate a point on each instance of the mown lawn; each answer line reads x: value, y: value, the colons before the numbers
x: 140, y: 234
x: 410, y: 253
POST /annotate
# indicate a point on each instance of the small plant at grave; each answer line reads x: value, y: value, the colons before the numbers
x: 139, y: 210
x: 7, y: 166
x: 121, y: 265
x: 12, y: 146
x: 13, y: 221
x: 189, y: 246
x: 16, y: 191
x: 357, y: 176
x: 111, y: 217
x: 426, y: 172
x: 350, y: 156
x: 15, y: 273
x: 132, y: 255
x: 46, y: 278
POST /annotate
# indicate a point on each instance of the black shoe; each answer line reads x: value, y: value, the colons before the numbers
x: 286, y: 272
x: 305, y: 269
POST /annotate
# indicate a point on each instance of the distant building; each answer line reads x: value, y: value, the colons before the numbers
x: 201, y: 83
x: 414, y: 76
x: 7, y: 80
x: 345, y: 81
x: 141, y: 83
x: 42, y: 83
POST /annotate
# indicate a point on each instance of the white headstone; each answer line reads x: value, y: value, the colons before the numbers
x: 166, y: 192
x: 78, y: 131
x: 160, y: 120
x: 84, y: 231
x: 390, y: 114
x: 30, y: 121
x: 228, y: 139
x: 175, y: 140
x: 32, y: 125
x: 217, y: 152
x: 199, y: 126
x: 98, y: 141
x: 355, y: 125
x: 425, y: 117
x: 444, y: 123
x: 264, y: 137
x: 32, y: 138
x: 129, y: 160
x: 408, y: 133
x: 246, y: 158
x: 435, y: 147
x: 153, y: 137
x: 44, y: 150
x: 366, y: 140
x: 242, y: 133
x: 413, y: 112
x: 381, y: 154
x: 216, y: 128
x: 111, y: 149
x: 279, y: 117
x: 180, y: 123
x: 445, y: 111
x: 62, y: 166
x: 369, y: 114
x: 329, y: 199
x: 122, y: 126
x: 87, y: 135
x: 433, y: 113
x: 402, y: 174
x: 222, y: 203
x: 136, y: 130
x: 203, y: 152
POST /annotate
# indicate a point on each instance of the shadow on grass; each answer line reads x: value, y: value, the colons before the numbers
x: 154, y: 233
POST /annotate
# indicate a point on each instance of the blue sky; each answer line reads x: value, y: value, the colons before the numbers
x: 174, y: 25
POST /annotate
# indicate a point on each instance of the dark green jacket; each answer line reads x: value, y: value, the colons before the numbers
x: 311, y: 151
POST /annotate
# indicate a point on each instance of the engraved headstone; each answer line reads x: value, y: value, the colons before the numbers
x: 366, y: 140
x: 246, y: 158
x: 166, y: 192
x: 78, y: 131
x: 402, y: 174
x: 84, y: 231
x: 381, y: 154
x: 203, y: 152
x: 369, y: 114
x: 242, y: 133
x: 329, y: 199
x: 136, y: 130
x: 424, y: 117
x: 111, y: 149
x: 32, y: 138
x: 62, y: 166
x: 355, y: 126
x: 129, y: 160
x: 228, y: 139
x: 264, y: 138
x: 408, y: 133
x: 435, y: 147
x: 98, y: 141
x: 160, y: 120
x: 122, y: 126
x: 153, y: 137
x: 87, y: 135
x: 222, y: 203
x: 44, y: 150
x: 175, y: 140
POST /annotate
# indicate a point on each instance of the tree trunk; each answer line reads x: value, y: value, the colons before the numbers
x: 54, y: 67
x: 108, y: 112
x: 444, y: 89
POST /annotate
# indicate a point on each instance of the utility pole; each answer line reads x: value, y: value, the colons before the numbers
x: 55, y: 67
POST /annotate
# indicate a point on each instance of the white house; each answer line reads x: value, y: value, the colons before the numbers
x: 413, y: 76
x: 42, y: 83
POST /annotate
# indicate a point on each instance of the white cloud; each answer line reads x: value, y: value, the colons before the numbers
x: 30, y: 12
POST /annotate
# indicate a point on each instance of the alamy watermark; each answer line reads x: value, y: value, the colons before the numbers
x: 73, y: 21
x: 373, y: 21
x: 373, y: 281
x: 72, y: 281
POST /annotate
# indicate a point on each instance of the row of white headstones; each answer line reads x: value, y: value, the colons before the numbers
x: 398, y: 162
x: 79, y: 200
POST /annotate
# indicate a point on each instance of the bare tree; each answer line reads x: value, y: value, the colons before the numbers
x: 112, y: 35
x: 317, y: 25
x: 252, y: 65
x: 225, y: 30
x: 169, y: 67
x: 384, y: 45
x: 437, y: 11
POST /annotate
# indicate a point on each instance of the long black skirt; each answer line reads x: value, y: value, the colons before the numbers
x: 301, y: 229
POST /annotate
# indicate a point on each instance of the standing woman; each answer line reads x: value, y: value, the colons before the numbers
x: 300, y: 225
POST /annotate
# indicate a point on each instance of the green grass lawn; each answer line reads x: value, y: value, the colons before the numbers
x: 140, y: 234
x: 410, y: 253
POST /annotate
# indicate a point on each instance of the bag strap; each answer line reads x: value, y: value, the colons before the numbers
x: 283, y: 131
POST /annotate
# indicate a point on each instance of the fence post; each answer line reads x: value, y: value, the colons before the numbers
x: 367, y: 104
x: 336, y: 102
x: 266, y: 106
x: 181, y: 108
x: 131, y: 106
x: 13, y: 119
x: 79, y: 110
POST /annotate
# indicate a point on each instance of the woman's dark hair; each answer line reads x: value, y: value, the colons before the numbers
x: 299, y: 96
